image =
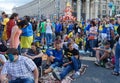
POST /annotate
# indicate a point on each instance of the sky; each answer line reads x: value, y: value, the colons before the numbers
x: 7, y: 5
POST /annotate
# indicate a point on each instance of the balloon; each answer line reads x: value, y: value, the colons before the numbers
x: 110, y: 4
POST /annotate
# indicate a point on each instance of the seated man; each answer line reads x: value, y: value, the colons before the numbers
x: 35, y: 54
x: 55, y: 56
x: 20, y: 69
x: 73, y: 64
x: 102, y: 52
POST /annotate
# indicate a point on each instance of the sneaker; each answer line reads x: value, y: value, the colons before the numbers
x: 115, y: 73
x: 76, y: 75
x: 56, y: 75
x: 97, y: 63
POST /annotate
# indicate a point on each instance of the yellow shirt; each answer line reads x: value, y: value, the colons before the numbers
x: 100, y: 28
x: 4, y: 35
x: 78, y: 40
x: 70, y: 35
x: 5, y: 20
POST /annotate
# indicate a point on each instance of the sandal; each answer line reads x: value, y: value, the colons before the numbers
x: 115, y: 73
x: 82, y: 70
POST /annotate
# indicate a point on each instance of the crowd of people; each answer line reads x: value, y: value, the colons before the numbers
x: 24, y: 41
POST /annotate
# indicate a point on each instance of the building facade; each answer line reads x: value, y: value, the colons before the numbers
x: 82, y: 9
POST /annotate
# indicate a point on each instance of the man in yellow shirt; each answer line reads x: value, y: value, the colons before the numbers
x: 4, y: 23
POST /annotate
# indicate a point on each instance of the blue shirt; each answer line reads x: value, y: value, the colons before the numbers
x: 111, y: 27
x: 27, y: 31
x: 58, y: 28
x: 70, y: 27
x: 58, y: 54
x: 104, y: 29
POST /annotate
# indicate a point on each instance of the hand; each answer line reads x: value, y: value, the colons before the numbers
x: 65, y: 64
x: 33, y: 57
x: 1, y: 61
x: 52, y: 58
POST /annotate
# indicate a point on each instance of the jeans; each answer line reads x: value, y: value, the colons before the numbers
x: 49, y: 39
x: 55, y: 64
x: 75, y: 65
x: 93, y: 44
x: 25, y: 80
x: 117, y: 56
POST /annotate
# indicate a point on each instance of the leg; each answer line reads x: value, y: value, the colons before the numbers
x: 47, y: 38
x: 54, y: 65
x: 75, y: 63
x: 105, y: 55
x: 98, y: 55
x: 117, y: 56
x: 66, y: 70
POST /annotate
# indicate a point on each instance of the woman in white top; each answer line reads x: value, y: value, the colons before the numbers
x: 93, y: 37
x: 49, y: 32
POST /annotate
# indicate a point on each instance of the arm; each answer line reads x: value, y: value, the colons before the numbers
x: 112, y: 33
x: 39, y: 55
x: 1, y: 61
x: 3, y: 75
x: 3, y: 78
x: 36, y: 75
x: 108, y: 51
x: 13, y: 35
x: 30, y: 65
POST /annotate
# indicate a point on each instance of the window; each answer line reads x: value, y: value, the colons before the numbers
x: 104, y: 11
x: 104, y: 6
x: 118, y: 2
x: 117, y: 7
x: 117, y: 12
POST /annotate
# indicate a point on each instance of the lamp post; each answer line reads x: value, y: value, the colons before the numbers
x: 58, y: 8
x: 39, y: 9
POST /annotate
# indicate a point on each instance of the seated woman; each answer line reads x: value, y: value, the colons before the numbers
x: 35, y: 54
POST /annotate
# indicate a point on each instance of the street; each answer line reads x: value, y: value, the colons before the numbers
x: 95, y: 74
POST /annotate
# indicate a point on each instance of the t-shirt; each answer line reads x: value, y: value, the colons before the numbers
x: 49, y: 28
x: 58, y: 54
x: 70, y: 53
x: 43, y: 29
x: 33, y: 53
x: 93, y: 29
x: 5, y: 21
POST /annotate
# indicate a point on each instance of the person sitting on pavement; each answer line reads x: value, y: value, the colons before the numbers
x: 35, y: 54
x: 73, y: 64
x: 20, y: 69
x: 55, y: 56
x: 102, y: 53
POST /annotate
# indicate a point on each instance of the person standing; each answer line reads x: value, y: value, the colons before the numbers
x: 117, y: 52
x: 42, y: 31
x: 4, y: 23
x: 49, y: 32
x: 12, y: 22
x: 27, y: 35
x: 15, y: 35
